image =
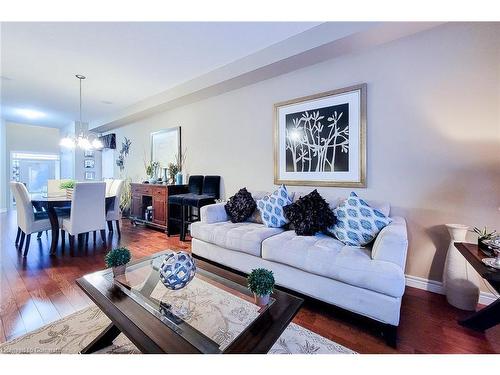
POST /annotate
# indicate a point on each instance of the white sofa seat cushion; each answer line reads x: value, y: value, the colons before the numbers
x: 246, y: 237
x: 328, y: 257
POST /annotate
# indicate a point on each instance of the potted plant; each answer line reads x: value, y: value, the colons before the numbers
x: 126, y: 198
x: 68, y: 186
x: 483, y: 237
x: 173, y: 169
x: 261, y: 283
x: 152, y: 171
x: 117, y: 259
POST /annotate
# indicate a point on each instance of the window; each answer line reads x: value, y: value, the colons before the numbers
x: 33, y: 170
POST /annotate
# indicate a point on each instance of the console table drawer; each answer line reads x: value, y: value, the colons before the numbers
x: 160, y: 192
x: 141, y: 190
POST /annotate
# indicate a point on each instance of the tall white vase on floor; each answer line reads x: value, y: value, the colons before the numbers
x: 460, y: 280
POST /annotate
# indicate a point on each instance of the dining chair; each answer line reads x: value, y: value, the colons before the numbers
x: 109, y: 185
x: 114, y: 213
x: 28, y: 221
x: 54, y: 190
x: 87, y: 212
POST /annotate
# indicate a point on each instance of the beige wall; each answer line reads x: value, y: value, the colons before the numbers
x: 22, y: 137
x: 433, y: 132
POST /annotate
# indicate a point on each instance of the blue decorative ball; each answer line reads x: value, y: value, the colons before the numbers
x: 177, y: 270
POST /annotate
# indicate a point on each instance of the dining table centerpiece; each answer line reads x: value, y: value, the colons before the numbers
x: 68, y: 186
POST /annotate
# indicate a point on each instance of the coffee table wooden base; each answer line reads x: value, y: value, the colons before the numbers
x: 105, y: 339
x: 483, y: 319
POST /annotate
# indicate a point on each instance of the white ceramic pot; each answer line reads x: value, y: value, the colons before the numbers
x: 120, y: 270
x: 460, y: 280
x: 261, y: 300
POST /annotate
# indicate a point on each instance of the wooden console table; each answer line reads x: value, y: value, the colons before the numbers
x: 489, y: 316
x: 144, y: 195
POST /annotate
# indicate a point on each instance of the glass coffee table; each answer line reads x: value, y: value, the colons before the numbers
x: 214, y: 313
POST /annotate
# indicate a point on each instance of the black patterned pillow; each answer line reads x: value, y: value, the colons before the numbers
x: 310, y: 214
x: 240, y: 206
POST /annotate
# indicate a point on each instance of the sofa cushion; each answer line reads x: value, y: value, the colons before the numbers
x: 325, y: 256
x: 240, y: 206
x: 245, y: 237
x: 271, y: 207
x: 334, y: 200
x: 310, y: 214
x: 357, y: 223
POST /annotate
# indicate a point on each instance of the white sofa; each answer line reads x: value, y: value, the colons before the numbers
x: 368, y: 281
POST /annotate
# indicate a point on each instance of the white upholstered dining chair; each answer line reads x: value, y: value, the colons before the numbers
x: 88, y: 212
x: 109, y: 184
x: 28, y: 221
x: 114, y: 213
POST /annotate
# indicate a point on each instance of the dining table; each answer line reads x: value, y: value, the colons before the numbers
x: 50, y: 203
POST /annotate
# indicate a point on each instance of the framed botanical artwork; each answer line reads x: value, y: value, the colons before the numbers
x: 166, y: 146
x: 88, y: 153
x: 89, y: 163
x: 90, y: 175
x: 320, y: 140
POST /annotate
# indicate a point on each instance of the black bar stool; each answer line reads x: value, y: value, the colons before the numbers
x: 210, y: 193
x: 195, y: 186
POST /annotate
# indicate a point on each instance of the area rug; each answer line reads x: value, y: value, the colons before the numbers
x: 72, y: 333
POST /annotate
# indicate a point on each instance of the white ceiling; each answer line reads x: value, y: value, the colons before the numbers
x: 124, y: 62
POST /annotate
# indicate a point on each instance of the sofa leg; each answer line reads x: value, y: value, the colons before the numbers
x: 390, y: 334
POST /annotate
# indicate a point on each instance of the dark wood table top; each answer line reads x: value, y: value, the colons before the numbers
x: 41, y: 198
x: 474, y: 256
x: 151, y: 335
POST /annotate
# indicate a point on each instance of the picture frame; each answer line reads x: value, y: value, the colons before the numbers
x: 89, y: 176
x: 320, y: 140
x: 88, y: 153
x: 89, y: 163
x: 165, y: 146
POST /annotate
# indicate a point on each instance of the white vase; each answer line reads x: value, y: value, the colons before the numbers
x: 460, y: 280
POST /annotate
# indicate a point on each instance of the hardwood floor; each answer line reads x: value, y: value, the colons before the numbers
x: 40, y: 289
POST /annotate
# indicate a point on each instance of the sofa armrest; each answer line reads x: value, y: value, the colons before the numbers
x: 391, y: 243
x: 213, y: 213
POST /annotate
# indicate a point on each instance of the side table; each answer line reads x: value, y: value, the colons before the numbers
x: 489, y: 316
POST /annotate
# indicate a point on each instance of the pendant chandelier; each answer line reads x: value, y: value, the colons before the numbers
x: 85, y: 140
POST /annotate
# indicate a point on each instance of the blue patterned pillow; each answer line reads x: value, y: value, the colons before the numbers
x: 271, y: 208
x: 357, y: 223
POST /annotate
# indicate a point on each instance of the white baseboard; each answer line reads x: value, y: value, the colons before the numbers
x: 437, y: 287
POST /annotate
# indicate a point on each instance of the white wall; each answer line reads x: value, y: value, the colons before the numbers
x: 433, y: 131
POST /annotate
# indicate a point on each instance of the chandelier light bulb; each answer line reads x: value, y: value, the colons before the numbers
x: 97, y: 144
x: 84, y: 143
x: 67, y: 142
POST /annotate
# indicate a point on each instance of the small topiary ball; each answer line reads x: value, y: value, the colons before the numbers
x: 117, y: 257
x: 177, y: 270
